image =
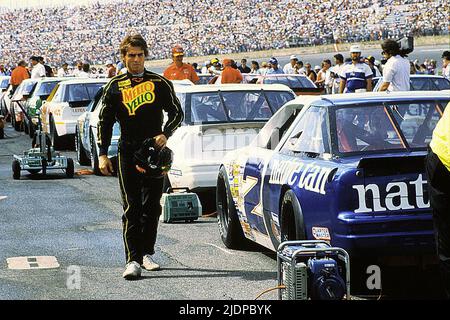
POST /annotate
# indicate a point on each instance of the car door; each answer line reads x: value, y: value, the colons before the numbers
x: 91, y: 119
x: 255, y: 171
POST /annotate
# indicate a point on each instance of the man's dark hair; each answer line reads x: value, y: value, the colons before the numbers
x: 34, y: 58
x: 446, y: 55
x: 327, y: 61
x: 339, y: 57
x: 86, y: 67
x: 391, y: 47
x: 22, y: 63
x: 135, y: 40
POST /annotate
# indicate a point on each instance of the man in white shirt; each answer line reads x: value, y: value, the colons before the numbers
x: 38, y: 70
x: 289, y: 68
x: 64, y: 70
x: 85, y: 73
x: 396, y: 70
x: 446, y: 64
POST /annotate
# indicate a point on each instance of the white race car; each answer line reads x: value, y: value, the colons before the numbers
x: 218, y: 119
x: 65, y: 104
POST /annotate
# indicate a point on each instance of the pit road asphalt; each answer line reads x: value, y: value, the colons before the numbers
x: 79, y: 222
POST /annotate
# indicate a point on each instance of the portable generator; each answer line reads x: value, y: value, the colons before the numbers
x: 178, y: 204
x: 312, y: 269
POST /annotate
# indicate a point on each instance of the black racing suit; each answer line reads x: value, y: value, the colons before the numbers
x: 137, y: 103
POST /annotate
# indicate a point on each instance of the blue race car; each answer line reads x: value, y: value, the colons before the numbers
x: 347, y: 169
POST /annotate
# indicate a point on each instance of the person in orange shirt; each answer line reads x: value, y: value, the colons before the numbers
x: 230, y: 74
x: 179, y: 70
x: 19, y: 74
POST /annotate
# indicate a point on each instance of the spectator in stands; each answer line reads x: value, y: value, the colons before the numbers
x: 179, y: 70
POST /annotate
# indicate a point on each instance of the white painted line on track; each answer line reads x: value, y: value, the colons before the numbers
x: 224, y: 250
x: 32, y: 262
x: 3, y: 197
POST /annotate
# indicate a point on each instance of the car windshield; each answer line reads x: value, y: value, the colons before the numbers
x: 429, y: 83
x: 27, y: 87
x: 386, y: 127
x: 290, y: 81
x: 44, y: 88
x: 235, y: 106
x: 81, y: 91
x: 204, y: 79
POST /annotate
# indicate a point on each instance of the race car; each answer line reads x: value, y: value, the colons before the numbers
x: 218, y: 118
x: 66, y: 103
x: 347, y: 169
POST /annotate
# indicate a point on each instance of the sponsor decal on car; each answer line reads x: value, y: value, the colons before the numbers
x: 321, y: 233
x: 395, y: 191
x: 310, y: 177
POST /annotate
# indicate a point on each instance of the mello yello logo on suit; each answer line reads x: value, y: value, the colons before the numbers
x: 135, y: 97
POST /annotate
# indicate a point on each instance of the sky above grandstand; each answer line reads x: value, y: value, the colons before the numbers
x: 15, y: 4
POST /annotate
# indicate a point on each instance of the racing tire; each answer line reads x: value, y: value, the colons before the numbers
x: 82, y: 158
x: 70, y: 170
x: 16, y: 169
x: 228, y: 221
x: 57, y: 142
x: 94, y: 157
x: 292, y: 222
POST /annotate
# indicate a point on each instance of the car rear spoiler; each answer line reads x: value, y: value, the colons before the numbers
x: 392, y: 165
x: 305, y: 91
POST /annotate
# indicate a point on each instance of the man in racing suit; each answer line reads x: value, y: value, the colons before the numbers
x: 137, y: 99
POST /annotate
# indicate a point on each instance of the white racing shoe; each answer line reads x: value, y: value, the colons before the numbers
x: 148, y: 263
x: 132, y: 271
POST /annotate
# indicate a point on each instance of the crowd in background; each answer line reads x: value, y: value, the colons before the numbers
x: 93, y: 33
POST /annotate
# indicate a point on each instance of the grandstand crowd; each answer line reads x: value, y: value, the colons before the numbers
x: 92, y: 33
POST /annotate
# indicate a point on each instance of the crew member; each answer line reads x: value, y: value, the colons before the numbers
x: 355, y: 76
x: 230, y: 74
x: 438, y: 178
x: 396, y: 70
x: 179, y: 70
